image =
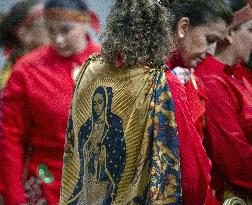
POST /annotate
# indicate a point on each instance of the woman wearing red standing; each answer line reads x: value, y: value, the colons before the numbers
x: 35, y: 106
x: 135, y: 37
x: 198, y: 25
x: 229, y: 111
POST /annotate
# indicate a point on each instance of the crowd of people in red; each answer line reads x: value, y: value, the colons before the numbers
x: 182, y: 68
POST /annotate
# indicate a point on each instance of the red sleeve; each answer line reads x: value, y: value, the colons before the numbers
x: 195, y: 166
x: 227, y: 144
x: 14, y: 127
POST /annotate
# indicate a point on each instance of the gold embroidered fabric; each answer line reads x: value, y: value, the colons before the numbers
x: 121, y: 144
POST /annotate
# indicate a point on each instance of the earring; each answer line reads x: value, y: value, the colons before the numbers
x: 181, y: 35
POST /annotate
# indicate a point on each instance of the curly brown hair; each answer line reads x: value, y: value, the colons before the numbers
x: 139, y: 31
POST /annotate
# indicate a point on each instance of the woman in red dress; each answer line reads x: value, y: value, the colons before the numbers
x: 198, y: 26
x: 35, y: 106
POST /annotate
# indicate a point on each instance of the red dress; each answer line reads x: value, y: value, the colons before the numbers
x: 229, y: 125
x: 195, y: 166
x: 35, y: 108
x: 195, y: 92
x: 196, y: 96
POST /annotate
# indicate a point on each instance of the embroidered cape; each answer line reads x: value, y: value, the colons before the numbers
x: 121, y: 144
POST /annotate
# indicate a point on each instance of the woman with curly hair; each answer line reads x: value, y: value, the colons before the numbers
x: 122, y: 143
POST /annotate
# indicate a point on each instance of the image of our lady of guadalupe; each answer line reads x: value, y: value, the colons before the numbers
x: 102, y: 152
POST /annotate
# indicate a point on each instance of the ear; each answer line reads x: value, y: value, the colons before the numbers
x: 183, y: 26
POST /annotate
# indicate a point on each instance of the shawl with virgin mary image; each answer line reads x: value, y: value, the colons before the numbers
x: 121, y: 144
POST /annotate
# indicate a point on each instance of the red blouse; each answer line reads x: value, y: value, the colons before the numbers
x: 195, y: 92
x: 35, y: 108
x: 228, y: 123
x: 196, y: 96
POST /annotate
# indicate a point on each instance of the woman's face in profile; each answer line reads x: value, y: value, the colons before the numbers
x: 98, y: 103
x: 67, y: 37
x: 198, y: 41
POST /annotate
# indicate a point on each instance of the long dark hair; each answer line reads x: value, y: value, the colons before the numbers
x: 199, y: 11
x: 138, y: 31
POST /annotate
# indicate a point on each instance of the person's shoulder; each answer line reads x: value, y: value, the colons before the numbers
x: 93, y: 62
x: 34, y: 57
x: 35, y: 54
x: 26, y: 66
x: 90, y: 70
